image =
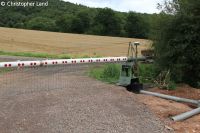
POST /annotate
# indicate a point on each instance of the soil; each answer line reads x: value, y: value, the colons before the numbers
x: 166, y: 108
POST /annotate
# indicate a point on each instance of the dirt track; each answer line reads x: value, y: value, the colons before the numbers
x: 62, y: 99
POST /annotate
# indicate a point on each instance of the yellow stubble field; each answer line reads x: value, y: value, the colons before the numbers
x: 19, y: 40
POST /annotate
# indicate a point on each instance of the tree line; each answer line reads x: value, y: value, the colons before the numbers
x: 62, y: 16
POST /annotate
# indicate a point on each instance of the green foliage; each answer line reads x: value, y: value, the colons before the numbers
x: 40, y: 23
x: 37, y: 55
x: 108, y: 22
x: 111, y: 71
x: 5, y: 70
x: 164, y: 81
x: 108, y: 73
x: 64, y: 23
x: 45, y: 55
x: 177, y: 42
x: 171, y: 85
x: 136, y: 26
x: 147, y: 73
x: 81, y: 23
x: 63, y: 16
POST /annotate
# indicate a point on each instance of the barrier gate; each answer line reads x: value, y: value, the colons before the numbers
x: 22, y: 77
x: 25, y: 77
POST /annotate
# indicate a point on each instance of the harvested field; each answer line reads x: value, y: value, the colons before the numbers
x: 18, y: 40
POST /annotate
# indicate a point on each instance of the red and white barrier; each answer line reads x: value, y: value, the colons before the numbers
x: 61, y: 62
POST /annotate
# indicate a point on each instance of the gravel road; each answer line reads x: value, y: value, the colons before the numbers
x: 64, y: 100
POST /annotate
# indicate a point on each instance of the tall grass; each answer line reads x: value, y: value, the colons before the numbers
x: 147, y: 73
x: 108, y: 73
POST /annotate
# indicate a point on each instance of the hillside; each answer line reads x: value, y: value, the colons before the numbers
x: 61, y: 16
x: 18, y: 40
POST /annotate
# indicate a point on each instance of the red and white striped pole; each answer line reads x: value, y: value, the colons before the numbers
x: 61, y: 62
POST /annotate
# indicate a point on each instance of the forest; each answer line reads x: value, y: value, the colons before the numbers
x: 60, y: 16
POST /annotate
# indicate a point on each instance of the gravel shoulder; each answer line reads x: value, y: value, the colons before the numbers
x: 62, y: 99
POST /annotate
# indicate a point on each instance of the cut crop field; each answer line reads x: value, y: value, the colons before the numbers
x: 19, y: 40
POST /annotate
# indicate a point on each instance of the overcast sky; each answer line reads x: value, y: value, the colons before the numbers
x: 143, y: 6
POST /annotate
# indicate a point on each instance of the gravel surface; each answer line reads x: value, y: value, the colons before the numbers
x: 64, y: 100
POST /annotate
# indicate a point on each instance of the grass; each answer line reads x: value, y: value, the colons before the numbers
x: 147, y: 73
x: 108, y: 73
x: 5, y: 70
x: 44, y: 55
x: 39, y: 55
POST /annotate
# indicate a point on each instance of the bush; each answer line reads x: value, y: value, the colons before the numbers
x: 177, y: 41
x: 171, y: 85
x: 147, y: 73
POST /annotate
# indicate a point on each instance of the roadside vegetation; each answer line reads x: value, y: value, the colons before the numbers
x: 177, y: 41
x: 5, y: 70
x: 148, y: 74
x: 45, y: 55
x: 108, y: 73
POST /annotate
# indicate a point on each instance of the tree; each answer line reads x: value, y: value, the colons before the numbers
x: 40, y: 23
x: 64, y: 23
x: 108, y: 22
x: 135, y: 26
x: 177, y: 43
x: 81, y: 23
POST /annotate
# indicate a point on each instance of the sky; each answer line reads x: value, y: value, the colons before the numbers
x: 143, y: 6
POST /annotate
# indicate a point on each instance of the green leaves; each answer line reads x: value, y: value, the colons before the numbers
x: 178, y: 44
x: 108, y: 22
x: 41, y: 23
x: 135, y: 26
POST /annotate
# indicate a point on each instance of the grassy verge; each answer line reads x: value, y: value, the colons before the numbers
x: 44, y: 55
x: 5, y: 70
x: 108, y: 73
x: 147, y: 73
